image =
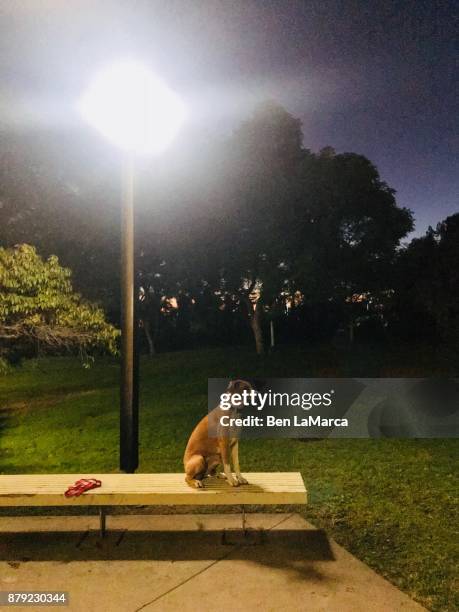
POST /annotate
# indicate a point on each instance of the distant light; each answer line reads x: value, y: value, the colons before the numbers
x: 132, y: 108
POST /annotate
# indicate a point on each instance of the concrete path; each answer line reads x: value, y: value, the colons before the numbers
x: 188, y: 563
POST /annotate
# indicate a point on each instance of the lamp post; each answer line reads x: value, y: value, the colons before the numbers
x: 140, y: 115
x: 129, y: 384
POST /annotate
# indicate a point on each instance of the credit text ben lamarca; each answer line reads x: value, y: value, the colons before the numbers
x: 257, y: 400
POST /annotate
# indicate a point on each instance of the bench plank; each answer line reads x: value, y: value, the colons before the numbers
x: 151, y: 489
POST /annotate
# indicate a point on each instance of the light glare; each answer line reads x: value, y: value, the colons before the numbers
x: 132, y: 108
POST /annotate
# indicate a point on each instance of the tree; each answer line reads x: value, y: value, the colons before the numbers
x: 427, y: 301
x: 251, y: 218
x: 40, y: 310
x: 346, y: 231
x: 62, y: 206
x: 289, y: 222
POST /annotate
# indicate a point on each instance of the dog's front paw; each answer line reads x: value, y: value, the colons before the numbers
x: 241, y: 480
x: 194, y: 482
x: 233, y: 482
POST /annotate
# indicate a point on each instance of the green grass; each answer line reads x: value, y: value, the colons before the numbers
x: 390, y: 502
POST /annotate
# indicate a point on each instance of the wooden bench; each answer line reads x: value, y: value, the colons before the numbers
x: 276, y: 488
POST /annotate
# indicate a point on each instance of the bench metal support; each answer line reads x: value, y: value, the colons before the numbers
x: 102, y: 520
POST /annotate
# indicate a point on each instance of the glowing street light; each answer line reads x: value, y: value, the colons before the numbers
x: 139, y: 114
x: 133, y: 109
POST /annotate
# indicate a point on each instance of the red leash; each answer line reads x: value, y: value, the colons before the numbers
x: 85, y: 484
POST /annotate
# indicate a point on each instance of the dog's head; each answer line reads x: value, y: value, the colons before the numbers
x: 237, y: 387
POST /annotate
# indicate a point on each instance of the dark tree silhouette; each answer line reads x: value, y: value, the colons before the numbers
x: 427, y: 296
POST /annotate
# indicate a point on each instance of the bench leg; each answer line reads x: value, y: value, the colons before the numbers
x: 102, y: 519
x: 243, y: 519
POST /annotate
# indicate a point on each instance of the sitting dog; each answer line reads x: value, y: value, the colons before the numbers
x: 204, y: 454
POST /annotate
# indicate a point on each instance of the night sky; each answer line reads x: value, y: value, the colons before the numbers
x: 373, y: 77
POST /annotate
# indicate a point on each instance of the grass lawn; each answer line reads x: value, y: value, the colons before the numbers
x: 390, y: 502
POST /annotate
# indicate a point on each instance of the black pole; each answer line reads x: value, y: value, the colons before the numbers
x: 129, y: 401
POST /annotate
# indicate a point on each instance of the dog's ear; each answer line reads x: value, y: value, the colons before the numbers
x: 258, y: 384
x: 230, y: 387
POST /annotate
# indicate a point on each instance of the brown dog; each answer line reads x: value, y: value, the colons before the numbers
x: 204, y: 454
